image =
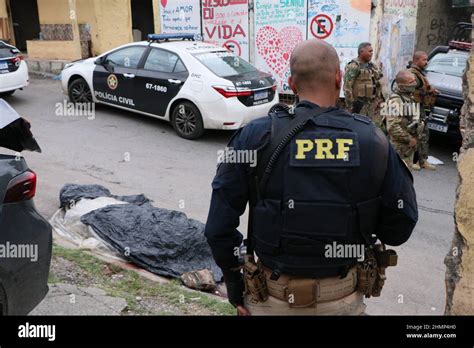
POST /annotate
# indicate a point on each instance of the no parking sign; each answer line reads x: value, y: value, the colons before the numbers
x: 322, y: 26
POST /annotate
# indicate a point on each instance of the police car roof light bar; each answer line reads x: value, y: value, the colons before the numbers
x: 462, y: 32
x: 167, y: 37
x: 460, y: 45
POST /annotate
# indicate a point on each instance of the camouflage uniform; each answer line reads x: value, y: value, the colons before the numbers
x: 362, y: 90
x: 401, y: 128
x: 424, y: 95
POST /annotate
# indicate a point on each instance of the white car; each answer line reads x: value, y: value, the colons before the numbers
x: 192, y: 84
x: 13, y: 70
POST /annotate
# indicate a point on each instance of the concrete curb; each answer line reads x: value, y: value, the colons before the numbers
x: 53, y: 67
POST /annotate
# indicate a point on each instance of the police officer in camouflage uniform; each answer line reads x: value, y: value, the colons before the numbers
x: 424, y: 94
x: 362, y: 88
x: 323, y: 176
x: 402, y: 115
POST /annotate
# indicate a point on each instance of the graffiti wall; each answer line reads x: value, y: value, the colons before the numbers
x: 342, y: 23
x: 436, y: 21
x: 279, y: 27
x: 180, y: 16
x: 397, y: 31
x: 226, y: 23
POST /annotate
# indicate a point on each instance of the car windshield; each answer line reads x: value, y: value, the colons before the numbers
x: 224, y: 63
x: 451, y: 63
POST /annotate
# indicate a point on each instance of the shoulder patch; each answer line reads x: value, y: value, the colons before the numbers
x: 325, y: 149
x: 361, y: 118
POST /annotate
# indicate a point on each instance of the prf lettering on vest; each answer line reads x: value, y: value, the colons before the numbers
x: 325, y: 149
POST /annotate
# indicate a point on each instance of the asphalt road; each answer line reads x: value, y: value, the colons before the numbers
x: 130, y: 154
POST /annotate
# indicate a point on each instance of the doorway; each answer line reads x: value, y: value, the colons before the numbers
x: 25, y: 21
x: 142, y: 19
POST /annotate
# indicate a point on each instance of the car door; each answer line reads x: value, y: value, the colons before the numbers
x: 158, y: 81
x: 114, y: 76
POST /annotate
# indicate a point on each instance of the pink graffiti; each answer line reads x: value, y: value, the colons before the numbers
x: 275, y: 46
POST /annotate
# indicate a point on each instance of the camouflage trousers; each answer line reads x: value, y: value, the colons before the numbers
x: 372, y: 109
x: 423, y: 144
x: 406, y: 153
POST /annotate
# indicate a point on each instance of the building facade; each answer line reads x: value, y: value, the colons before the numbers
x: 66, y: 30
x: 74, y: 29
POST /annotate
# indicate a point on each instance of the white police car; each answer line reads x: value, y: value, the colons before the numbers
x: 192, y: 84
x: 13, y: 70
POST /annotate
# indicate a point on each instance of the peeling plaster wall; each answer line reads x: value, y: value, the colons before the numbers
x: 114, y: 23
x: 436, y: 19
x: 460, y: 259
x: 397, y: 37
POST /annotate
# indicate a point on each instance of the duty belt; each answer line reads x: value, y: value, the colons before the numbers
x: 304, y: 292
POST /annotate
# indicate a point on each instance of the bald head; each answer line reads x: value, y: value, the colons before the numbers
x: 314, y: 65
x: 404, y: 78
x: 419, y: 54
x: 420, y: 59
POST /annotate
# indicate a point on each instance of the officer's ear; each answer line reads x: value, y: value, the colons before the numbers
x: 292, y: 85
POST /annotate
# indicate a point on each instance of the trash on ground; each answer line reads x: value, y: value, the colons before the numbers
x: 434, y: 161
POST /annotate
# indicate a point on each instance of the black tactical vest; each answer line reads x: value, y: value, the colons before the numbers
x: 324, y: 186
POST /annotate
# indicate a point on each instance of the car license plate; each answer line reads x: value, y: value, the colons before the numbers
x: 3, y: 65
x: 260, y: 95
x: 438, y: 127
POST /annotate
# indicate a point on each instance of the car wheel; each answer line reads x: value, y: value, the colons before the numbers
x: 79, y: 92
x: 187, y: 121
x: 7, y: 94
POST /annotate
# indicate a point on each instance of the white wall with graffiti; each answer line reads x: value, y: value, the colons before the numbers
x: 266, y: 32
x: 279, y: 27
x: 344, y: 24
x: 397, y: 37
x: 180, y: 16
x: 228, y: 25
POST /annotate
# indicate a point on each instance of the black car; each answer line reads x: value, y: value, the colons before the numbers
x: 445, y: 73
x: 25, y: 236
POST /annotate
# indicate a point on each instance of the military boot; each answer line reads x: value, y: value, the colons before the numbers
x: 416, y: 166
x: 429, y: 166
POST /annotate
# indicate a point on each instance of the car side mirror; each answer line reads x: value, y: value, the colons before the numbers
x: 99, y: 61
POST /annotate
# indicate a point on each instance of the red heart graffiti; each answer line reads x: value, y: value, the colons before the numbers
x: 275, y: 47
x: 163, y: 3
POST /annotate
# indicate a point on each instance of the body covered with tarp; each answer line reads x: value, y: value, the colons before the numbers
x: 161, y: 241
